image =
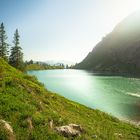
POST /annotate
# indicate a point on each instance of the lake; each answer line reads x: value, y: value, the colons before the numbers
x: 116, y: 95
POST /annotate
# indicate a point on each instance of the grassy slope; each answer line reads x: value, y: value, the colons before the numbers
x: 41, y: 67
x: 24, y: 97
x: 34, y: 67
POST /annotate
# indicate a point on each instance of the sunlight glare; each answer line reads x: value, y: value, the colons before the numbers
x: 127, y: 6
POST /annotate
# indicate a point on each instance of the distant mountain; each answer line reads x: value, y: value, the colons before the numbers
x: 119, y: 51
x: 56, y: 62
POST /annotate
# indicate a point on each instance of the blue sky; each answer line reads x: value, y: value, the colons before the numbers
x: 62, y: 29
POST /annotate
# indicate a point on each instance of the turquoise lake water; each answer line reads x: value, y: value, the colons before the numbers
x: 116, y: 95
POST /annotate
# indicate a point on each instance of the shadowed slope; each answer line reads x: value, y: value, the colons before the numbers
x: 119, y: 51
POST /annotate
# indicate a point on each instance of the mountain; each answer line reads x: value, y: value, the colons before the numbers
x: 119, y: 51
x: 56, y: 62
x: 29, y: 112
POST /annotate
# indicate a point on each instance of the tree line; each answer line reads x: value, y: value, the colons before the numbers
x: 13, y: 55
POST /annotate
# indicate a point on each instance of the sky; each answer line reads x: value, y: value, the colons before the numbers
x: 62, y: 29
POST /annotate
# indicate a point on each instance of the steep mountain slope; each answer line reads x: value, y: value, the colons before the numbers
x: 29, y: 112
x: 119, y: 51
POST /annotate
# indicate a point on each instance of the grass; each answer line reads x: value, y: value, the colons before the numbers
x: 23, y: 97
x: 41, y: 67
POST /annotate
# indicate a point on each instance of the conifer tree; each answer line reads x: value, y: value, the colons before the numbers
x: 16, y: 57
x: 3, y: 43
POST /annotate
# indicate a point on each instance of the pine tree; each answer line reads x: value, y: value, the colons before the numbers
x: 3, y: 43
x: 16, y: 57
x: 67, y: 67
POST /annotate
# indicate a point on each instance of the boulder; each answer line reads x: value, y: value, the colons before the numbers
x: 70, y: 130
x: 7, y: 126
x: 9, y: 130
x: 76, y: 127
x: 118, y: 135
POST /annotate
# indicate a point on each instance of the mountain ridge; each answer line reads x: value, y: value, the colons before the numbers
x: 117, y: 52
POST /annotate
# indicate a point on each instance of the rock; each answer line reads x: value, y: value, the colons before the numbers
x: 118, y: 134
x: 50, y: 123
x: 94, y: 136
x: 9, y: 129
x: 76, y: 127
x: 70, y: 130
x: 7, y: 126
x: 29, y: 120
